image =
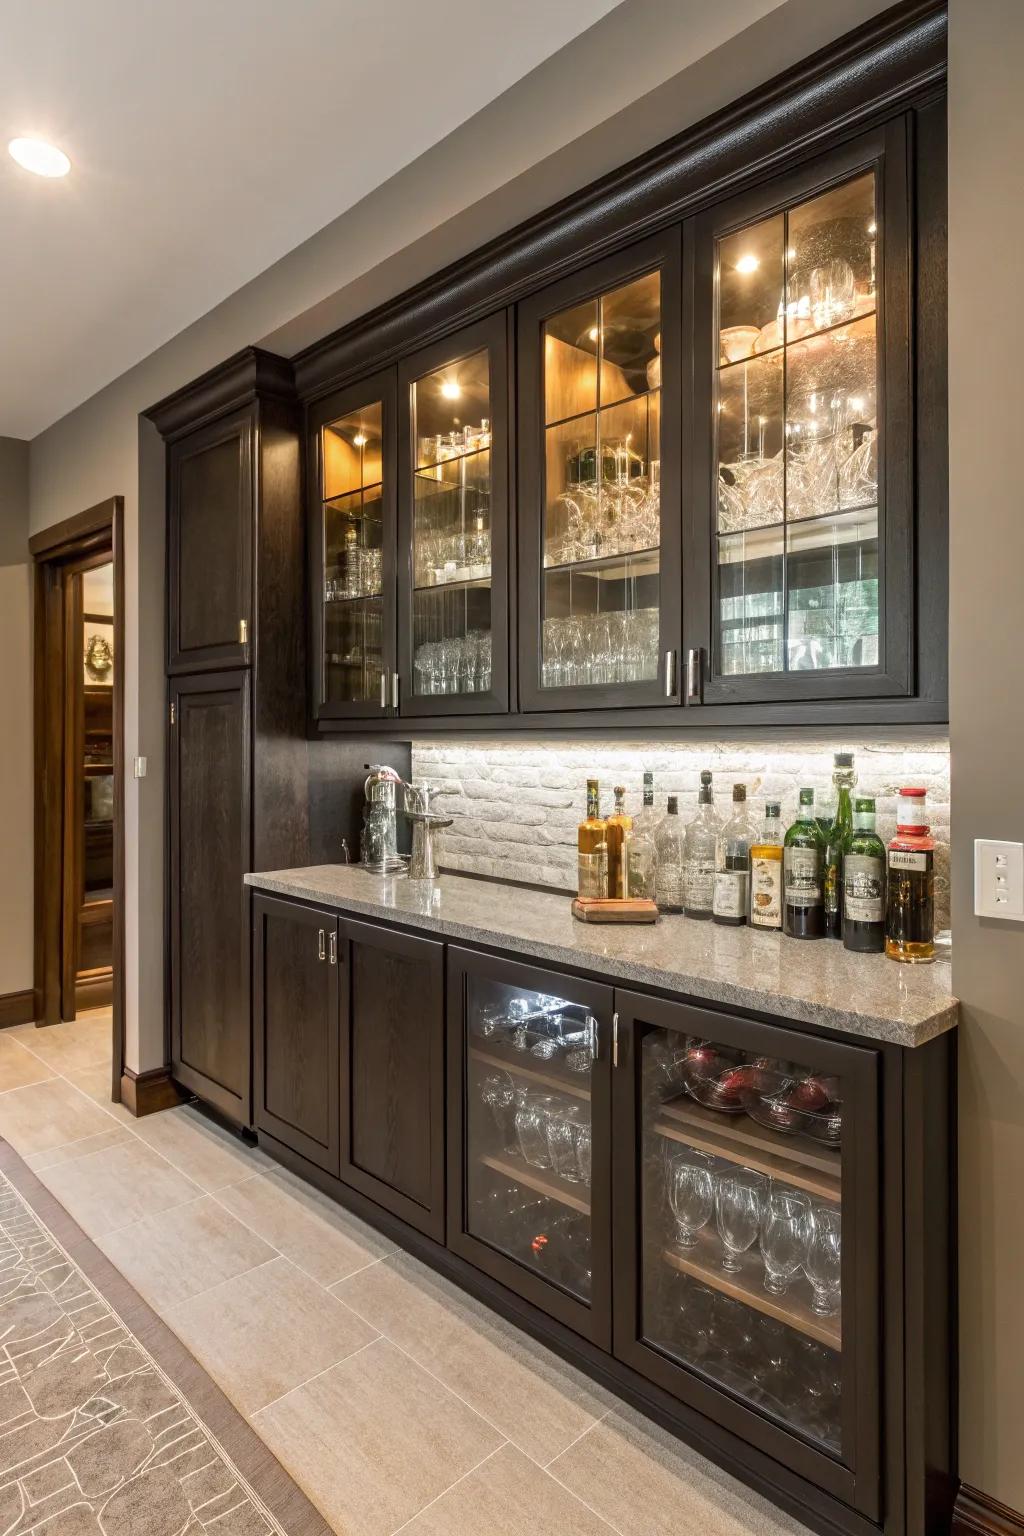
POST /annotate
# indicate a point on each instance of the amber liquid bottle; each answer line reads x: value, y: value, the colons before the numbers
x: 910, y: 901
x: 617, y: 830
x: 592, y: 855
x: 766, y: 898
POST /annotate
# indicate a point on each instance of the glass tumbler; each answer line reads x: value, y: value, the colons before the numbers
x: 562, y: 1133
x: 532, y: 1117
x: 783, y: 1237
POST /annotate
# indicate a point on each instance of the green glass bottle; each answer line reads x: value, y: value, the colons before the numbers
x: 864, y: 883
x: 836, y: 840
x: 803, y: 864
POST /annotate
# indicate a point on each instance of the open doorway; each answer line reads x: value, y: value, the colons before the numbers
x: 79, y: 763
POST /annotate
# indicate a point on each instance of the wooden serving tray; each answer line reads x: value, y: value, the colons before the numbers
x: 635, y: 910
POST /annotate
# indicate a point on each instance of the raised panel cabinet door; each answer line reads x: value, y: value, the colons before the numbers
x: 211, y: 518
x: 392, y: 1071
x: 210, y: 838
x: 295, y: 1020
x: 747, y: 1210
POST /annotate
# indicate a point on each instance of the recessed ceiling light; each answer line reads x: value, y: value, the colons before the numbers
x: 748, y: 263
x: 40, y: 158
x: 450, y: 389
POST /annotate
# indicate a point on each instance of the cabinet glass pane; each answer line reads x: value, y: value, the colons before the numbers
x: 796, y: 426
x: 529, y: 1062
x: 451, y: 617
x: 602, y: 496
x: 353, y: 537
x: 742, y: 1225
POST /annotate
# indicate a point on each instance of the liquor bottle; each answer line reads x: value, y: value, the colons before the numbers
x: 803, y: 873
x: 592, y: 856
x: 617, y: 830
x: 670, y: 842
x: 732, y: 867
x: 864, y: 883
x: 836, y: 839
x: 701, y: 853
x: 910, y: 905
x: 766, y: 898
x: 643, y: 854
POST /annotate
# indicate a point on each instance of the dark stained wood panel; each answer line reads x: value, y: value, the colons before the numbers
x: 210, y: 853
x: 392, y: 1077
x: 296, y: 1024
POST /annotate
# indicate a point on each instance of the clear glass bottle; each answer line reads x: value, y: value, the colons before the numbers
x: 617, y: 831
x: 803, y: 872
x: 592, y: 849
x: 864, y: 883
x: 701, y: 853
x: 910, y: 897
x: 837, y: 838
x: 766, y: 884
x: 643, y: 853
x: 670, y: 842
x: 732, y: 866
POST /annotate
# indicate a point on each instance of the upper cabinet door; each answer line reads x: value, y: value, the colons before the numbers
x: 210, y: 538
x: 351, y: 439
x: 453, y: 522
x: 803, y: 489
x: 599, y: 473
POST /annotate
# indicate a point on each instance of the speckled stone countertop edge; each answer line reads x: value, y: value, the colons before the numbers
x: 423, y: 911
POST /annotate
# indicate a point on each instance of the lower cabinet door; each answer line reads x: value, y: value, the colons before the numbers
x: 529, y: 1151
x: 392, y: 1071
x: 747, y: 1210
x: 295, y: 1028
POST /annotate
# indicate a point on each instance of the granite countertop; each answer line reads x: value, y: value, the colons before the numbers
x: 818, y: 984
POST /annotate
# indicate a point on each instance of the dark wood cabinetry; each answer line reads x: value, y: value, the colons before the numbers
x: 296, y: 1063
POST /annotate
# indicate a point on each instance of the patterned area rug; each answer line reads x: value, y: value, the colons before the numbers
x: 96, y: 1439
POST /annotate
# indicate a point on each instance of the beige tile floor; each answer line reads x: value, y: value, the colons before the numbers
x: 396, y: 1402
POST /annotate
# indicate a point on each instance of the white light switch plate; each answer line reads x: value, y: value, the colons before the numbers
x: 998, y: 879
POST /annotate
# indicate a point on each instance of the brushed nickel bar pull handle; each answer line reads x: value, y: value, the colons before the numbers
x: 243, y: 631
x: 615, y: 1039
x: 321, y: 952
x: 333, y: 941
x: 383, y: 690
x: 394, y: 690
x: 693, y: 670
x: 173, y: 712
x: 670, y: 674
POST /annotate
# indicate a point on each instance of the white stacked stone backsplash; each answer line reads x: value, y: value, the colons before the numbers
x: 516, y: 805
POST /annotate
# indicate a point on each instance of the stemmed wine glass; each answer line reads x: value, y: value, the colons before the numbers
x: 823, y: 1261
x: 692, y: 1198
x: 738, y: 1214
x: 783, y: 1237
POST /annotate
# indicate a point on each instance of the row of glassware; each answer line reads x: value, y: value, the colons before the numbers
x: 548, y: 1130
x: 437, y: 449
x: 548, y: 1236
x: 458, y: 664
x: 455, y: 555
x: 594, y: 518
x: 359, y: 573
x: 797, y: 1237
x: 807, y: 479
x: 543, y: 1026
x: 619, y: 646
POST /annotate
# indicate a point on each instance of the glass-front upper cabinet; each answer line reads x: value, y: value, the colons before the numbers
x: 352, y: 550
x: 803, y: 296
x: 599, y: 528
x: 453, y: 578
x: 754, y: 1294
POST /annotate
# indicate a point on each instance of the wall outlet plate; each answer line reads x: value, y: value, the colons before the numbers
x: 998, y: 879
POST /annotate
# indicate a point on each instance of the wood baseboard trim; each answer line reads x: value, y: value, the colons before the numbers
x: 976, y: 1514
x: 94, y: 991
x: 144, y: 1093
x: 17, y: 1008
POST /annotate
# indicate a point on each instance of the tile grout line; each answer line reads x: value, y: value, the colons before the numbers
x: 445, y: 1491
x: 547, y: 1465
x: 274, y: 1401
x: 555, y: 1478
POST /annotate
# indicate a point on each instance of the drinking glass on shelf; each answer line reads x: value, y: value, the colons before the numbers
x: 738, y: 1214
x: 784, y: 1227
x: 583, y: 1152
x: 691, y: 1194
x: 823, y: 1262
x: 498, y: 1092
x: 531, y: 1123
x: 563, y: 1125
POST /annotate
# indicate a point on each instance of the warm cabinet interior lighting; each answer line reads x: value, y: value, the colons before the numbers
x: 450, y: 390
x: 748, y: 263
x: 40, y: 158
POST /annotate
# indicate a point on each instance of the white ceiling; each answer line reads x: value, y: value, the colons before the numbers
x: 207, y: 139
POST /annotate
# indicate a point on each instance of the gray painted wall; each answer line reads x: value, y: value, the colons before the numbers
x: 986, y: 237
x: 15, y: 720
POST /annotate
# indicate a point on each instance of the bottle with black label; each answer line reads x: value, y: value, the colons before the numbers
x: 766, y: 871
x: 836, y: 838
x: 732, y: 869
x: 910, y: 898
x: 701, y: 853
x: 804, y: 874
x: 863, y: 874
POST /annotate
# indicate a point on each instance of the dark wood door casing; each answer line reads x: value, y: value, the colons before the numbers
x: 210, y: 826
x: 392, y: 1071
x: 210, y: 536
x: 296, y: 1035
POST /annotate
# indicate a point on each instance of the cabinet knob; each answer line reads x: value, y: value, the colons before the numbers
x: 321, y: 950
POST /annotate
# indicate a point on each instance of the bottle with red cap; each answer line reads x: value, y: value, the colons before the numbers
x: 910, y: 861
